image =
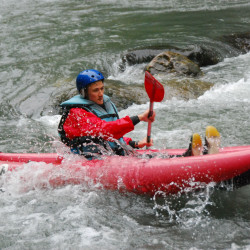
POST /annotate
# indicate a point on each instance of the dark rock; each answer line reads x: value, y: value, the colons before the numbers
x: 144, y: 55
x: 201, y: 55
x: 240, y: 41
x: 124, y: 95
x: 170, y: 62
x: 140, y: 56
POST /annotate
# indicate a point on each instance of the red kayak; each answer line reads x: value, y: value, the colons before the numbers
x: 135, y: 174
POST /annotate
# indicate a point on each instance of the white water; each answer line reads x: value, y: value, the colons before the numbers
x: 226, y: 106
x: 44, y: 44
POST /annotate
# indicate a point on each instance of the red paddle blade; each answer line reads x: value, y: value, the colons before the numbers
x: 154, y: 89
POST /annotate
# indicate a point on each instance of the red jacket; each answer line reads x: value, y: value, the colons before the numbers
x: 82, y: 123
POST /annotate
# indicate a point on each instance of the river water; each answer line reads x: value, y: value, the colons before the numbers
x: 44, y: 45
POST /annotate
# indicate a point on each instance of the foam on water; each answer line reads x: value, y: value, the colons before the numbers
x: 133, y: 74
x: 190, y: 210
x: 43, y: 41
x: 60, y: 217
x: 82, y: 215
x: 226, y: 105
x: 227, y: 94
x: 51, y: 124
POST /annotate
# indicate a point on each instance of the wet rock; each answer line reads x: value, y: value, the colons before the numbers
x: 185, y: 88
x: 121, y: 94
x: 144, y: 55
x: 170, y: 62
x: 201, y: 55
x: 240, y: 41
x: 124, y: 95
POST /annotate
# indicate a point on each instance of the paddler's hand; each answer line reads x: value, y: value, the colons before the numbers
x: 144, y: 143
x: 144, y: 117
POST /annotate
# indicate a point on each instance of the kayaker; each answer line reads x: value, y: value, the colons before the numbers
x: 90, y: 124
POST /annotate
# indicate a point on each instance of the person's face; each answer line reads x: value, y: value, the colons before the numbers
x: 95, y: 92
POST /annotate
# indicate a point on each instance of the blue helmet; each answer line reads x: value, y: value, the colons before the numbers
x: 87, y: 77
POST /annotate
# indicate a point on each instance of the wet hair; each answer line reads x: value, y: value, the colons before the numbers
x: 84, y: 92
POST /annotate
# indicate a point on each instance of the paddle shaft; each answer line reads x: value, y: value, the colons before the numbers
x: 151, y: 105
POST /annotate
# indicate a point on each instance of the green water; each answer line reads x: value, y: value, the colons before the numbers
x: 43, y: 46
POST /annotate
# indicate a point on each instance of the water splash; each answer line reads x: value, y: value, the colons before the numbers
x: 189, y: 209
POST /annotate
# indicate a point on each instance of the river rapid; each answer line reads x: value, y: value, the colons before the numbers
x: 44, y: 45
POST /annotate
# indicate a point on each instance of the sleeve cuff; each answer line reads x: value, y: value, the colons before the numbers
x: 135, y: 119
x: 133, y: 144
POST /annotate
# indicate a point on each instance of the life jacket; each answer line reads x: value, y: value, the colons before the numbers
x: 89, y: 145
